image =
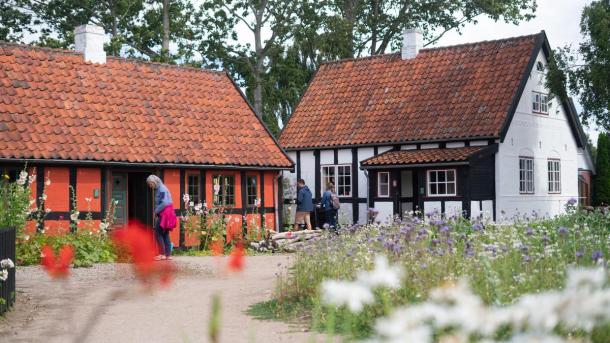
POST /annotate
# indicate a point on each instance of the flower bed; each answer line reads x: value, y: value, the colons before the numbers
x: 500, y: 263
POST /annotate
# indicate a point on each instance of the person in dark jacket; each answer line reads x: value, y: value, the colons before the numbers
x: 304, y: 205
x: 162, y: 199
x: 330, y: 212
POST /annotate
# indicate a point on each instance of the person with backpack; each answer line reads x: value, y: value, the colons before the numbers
x: 304, y: 205
x: 331, y: 205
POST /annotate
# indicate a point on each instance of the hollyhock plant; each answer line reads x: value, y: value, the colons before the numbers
x: 58, y: 267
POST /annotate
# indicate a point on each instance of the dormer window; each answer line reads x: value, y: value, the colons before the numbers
x: 540, y: 66
x: 540, y: 103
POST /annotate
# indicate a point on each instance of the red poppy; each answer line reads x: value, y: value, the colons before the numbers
x: 58, y: 267
x: 236, y: 258
x: 140, y: 244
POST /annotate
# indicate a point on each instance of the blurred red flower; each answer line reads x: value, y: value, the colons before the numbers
x: 217, y: 248
x: 141, y: 246
x: 58, y: 267
x: 236, y: 258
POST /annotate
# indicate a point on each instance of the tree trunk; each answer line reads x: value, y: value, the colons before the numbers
x: 259, y: 66
x: 375, y: 4
x: 165, y: 42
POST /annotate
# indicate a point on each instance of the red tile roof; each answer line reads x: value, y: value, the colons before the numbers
x: 462, y: 91
x: 423, y: 156
x: 53, y: 105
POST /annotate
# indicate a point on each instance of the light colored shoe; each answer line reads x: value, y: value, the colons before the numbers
x: 159, y: 258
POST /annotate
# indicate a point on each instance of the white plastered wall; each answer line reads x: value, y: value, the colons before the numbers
x: 543, y: 136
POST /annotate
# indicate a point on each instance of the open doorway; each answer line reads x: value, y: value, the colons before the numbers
x: 134, y: 199
x: 140, y: 198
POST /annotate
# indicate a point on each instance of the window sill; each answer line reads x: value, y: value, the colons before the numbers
x: 540, y: 113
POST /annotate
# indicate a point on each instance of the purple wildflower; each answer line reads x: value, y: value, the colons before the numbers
x: 579, y: 254
x: 562, y: 230
x: 529, y: 231
x: 597, y: 255
x: 445, y: 228
x: 477, y: 226
x: 545, y: 239
x: 526, y: 258
x: 572, y: 201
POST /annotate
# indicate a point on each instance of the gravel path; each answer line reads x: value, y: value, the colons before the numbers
x: 49, y: 311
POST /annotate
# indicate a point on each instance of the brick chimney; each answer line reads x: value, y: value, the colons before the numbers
x: 89, y: 39
x: 412, y: 41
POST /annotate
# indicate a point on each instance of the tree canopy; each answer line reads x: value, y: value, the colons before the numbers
x: 285, y: 42
x: 585, y: 72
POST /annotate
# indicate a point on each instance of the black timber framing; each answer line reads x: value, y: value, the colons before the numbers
x: 262, y: 196
x: 202, y: 186
x: 182, y: 191
x: 40, y: 179
x: 72, y: 197
x: 355, y: 182
x: 318, y: 176
x: 103, y: 185
x: 298, y: 164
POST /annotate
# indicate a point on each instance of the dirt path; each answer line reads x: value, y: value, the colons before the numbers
x: 49, y: 311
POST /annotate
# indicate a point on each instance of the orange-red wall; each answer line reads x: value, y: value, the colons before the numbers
x: 88, y: 179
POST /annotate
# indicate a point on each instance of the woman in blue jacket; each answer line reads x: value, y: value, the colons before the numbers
x: 162, y: 199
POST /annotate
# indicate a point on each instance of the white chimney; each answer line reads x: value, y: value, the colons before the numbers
x: 412, y: 41
x: 89, y: 39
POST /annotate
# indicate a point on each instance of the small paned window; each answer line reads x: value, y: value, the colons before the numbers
x: 554, y: 172
x: 540, y: 103
x: 224, y: 190
x: 383, y: 184
x: 526, y: 175
x: 442, y: 182
x: 251, y: 190
x: 192, y: 187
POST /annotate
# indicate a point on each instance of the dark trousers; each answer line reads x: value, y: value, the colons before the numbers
x: 163, y: 240
x: 331, y: 217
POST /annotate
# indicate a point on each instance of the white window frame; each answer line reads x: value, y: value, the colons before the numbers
x: 446, y: 182
x: 540, y: 103
x: 340, y: 189
x: 554, y: 175
x: 379, y: 193
x: 526, y: 175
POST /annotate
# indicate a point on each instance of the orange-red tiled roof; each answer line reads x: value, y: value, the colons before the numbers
x: 423, y: 156
x: 53, y: 105
x: 462, y: 91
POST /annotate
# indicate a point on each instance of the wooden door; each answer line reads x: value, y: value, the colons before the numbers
x: 119, y: 194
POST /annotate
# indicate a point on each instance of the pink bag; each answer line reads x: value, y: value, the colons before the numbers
x: 167, y: 218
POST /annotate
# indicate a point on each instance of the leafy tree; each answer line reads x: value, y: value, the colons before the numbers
x: 138, y: 28
x: 602, y: 166
x: 586, y: 71
x: 15, y: 20
x: 375, y: 26
x: 249, y: 64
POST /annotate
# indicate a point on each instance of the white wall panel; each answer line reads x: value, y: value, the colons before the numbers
x: 327, y: 157
x: 345, y: 156
x: 545, y: 136
x: 308, y: 169
x: 432, y: 206
x: 363, y: 154
x: 386, y: 211
x: 408, y: 147
x: 453, y: 208
x: 456, y: 144
x: 430, y: 146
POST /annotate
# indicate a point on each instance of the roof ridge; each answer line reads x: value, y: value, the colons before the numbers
x: 36, y: 47
x: 364, y: 58
x: 164, y: 64
x: 114, y: 58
